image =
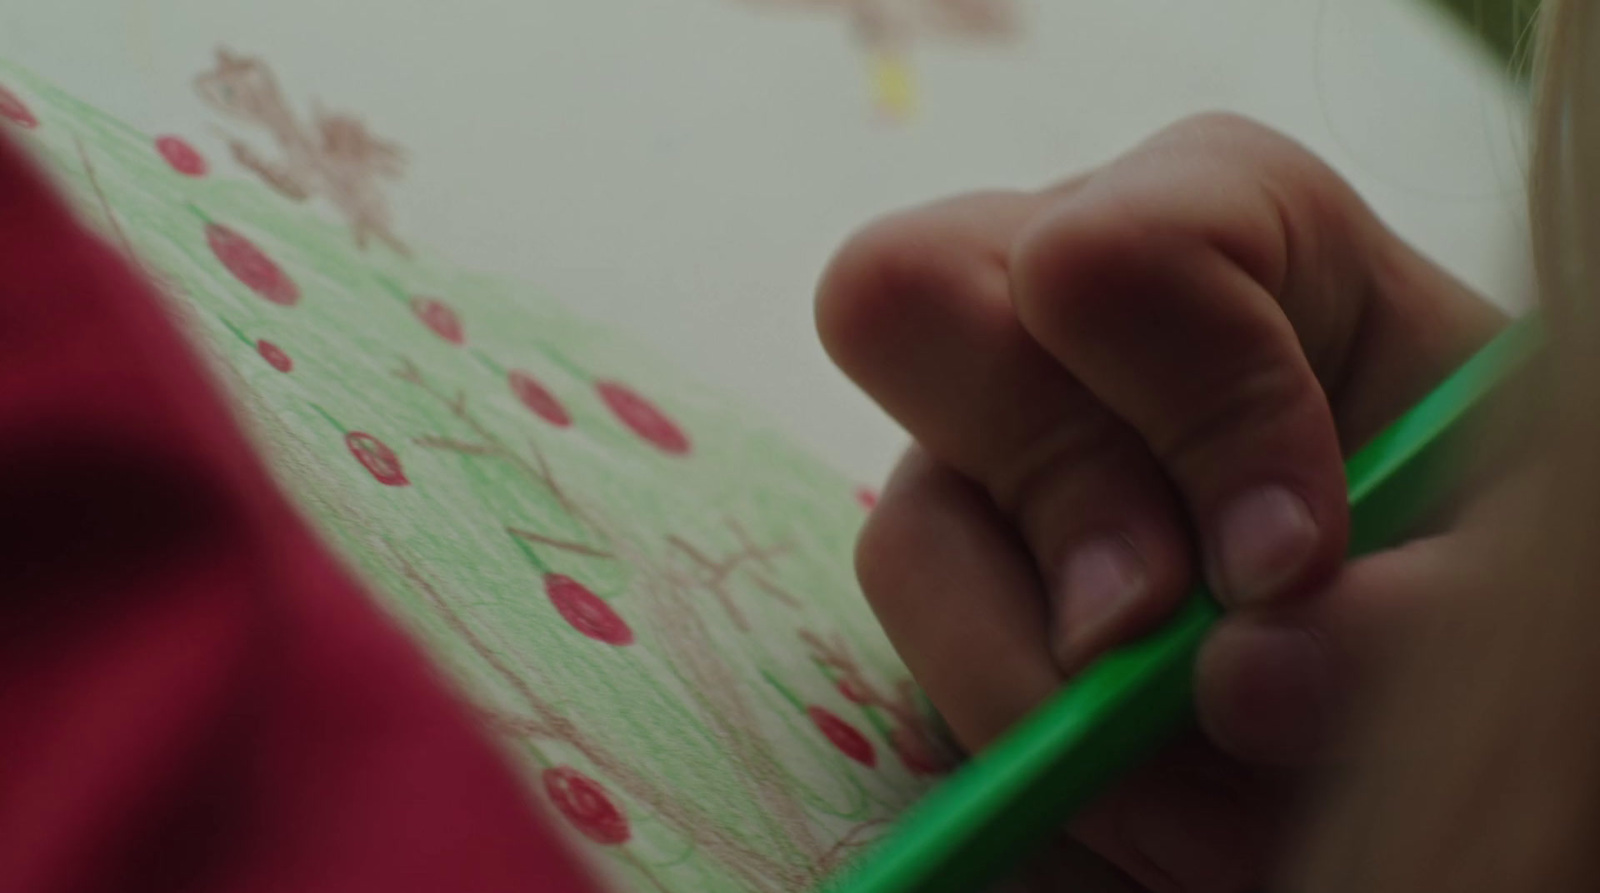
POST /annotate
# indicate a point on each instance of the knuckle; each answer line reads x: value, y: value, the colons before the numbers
x: 908, y: 528
x: 893, y: 540
x: 1223, y: 417
x: 1225, y: 125
x: 889, y: 543
x: 1236, y: 137
x: 1066, y: 458
x: 878, y: 275
x: 1308, y: 194
x: 1078, y: 264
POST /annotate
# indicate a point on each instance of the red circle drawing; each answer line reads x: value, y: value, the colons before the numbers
x: 867, y: 497
x: 377, y: 458
x: 14, y: 110
x: 538, y: 398
x: 181, y: 156
x: 913, y: 749
x: 643, y: 418
x: 851, y: 693
x: 246, y: 262
x: 588, y: 613
x: 844, y: 736
x: 584, y: 803
x: 274, y: 356
x: 438, y: 316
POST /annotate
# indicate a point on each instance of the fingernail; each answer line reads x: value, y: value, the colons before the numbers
x: 1265, y: 538
x: 1267, y: 691
x: 1098, y: 581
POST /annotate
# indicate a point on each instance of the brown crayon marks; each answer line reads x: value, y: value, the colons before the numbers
x: 672, y: 600
x: 887, y: 30
x: 667, y: 600
x: 332, y: 156
x: 750, y: 560
x: 611, y: 571
x: 912, y: 738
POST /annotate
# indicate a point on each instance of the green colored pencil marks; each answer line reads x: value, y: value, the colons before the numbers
x: 646, y: 594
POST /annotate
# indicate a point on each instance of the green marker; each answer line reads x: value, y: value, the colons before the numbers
x: 1117, y: 713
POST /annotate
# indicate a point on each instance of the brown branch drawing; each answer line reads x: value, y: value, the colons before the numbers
x: 547, y: 722
x: 665, y: 597
x: 162, y: 281
x: 716, y: 572
x: 334, y: 156
x: 552, y: 542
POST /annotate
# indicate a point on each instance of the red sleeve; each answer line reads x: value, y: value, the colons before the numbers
x: 194, y: 696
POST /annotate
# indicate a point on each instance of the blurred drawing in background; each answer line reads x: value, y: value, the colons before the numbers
x: 887, y: 30
x: 334, y: 156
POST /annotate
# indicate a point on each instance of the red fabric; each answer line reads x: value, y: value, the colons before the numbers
x: 194, y: 696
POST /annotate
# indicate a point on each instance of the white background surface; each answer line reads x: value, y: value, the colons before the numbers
x: 683, y: 168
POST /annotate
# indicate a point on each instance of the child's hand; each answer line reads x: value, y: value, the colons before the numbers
x: 1145, y: 374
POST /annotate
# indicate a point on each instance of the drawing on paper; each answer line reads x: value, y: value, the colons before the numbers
x: 644, y: 592
x: 887, y: 30
x: 334, y: 157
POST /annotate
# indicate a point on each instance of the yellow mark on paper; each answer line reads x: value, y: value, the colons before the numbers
x: 894, y: 85
x: 136, y: 30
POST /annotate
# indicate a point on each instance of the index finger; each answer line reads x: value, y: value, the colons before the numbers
x: 1231, y: 298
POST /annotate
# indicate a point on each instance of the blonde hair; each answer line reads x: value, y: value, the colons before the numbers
x: 1479, y: 769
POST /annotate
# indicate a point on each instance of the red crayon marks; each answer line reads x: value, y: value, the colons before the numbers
x: 181, y: 156
x: 538, y: 399
x: 250, y: 266
x: 586, y: 612
x: 377, y: 458
x: 274, y: 355
x: 438, y: 316
x: 853, y: 692
x: 867, y: 497
x: 583, y: 802
x: 914, y: 750
x: 643, y: 418
x: 844, y: 736
x: 13, y: 109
